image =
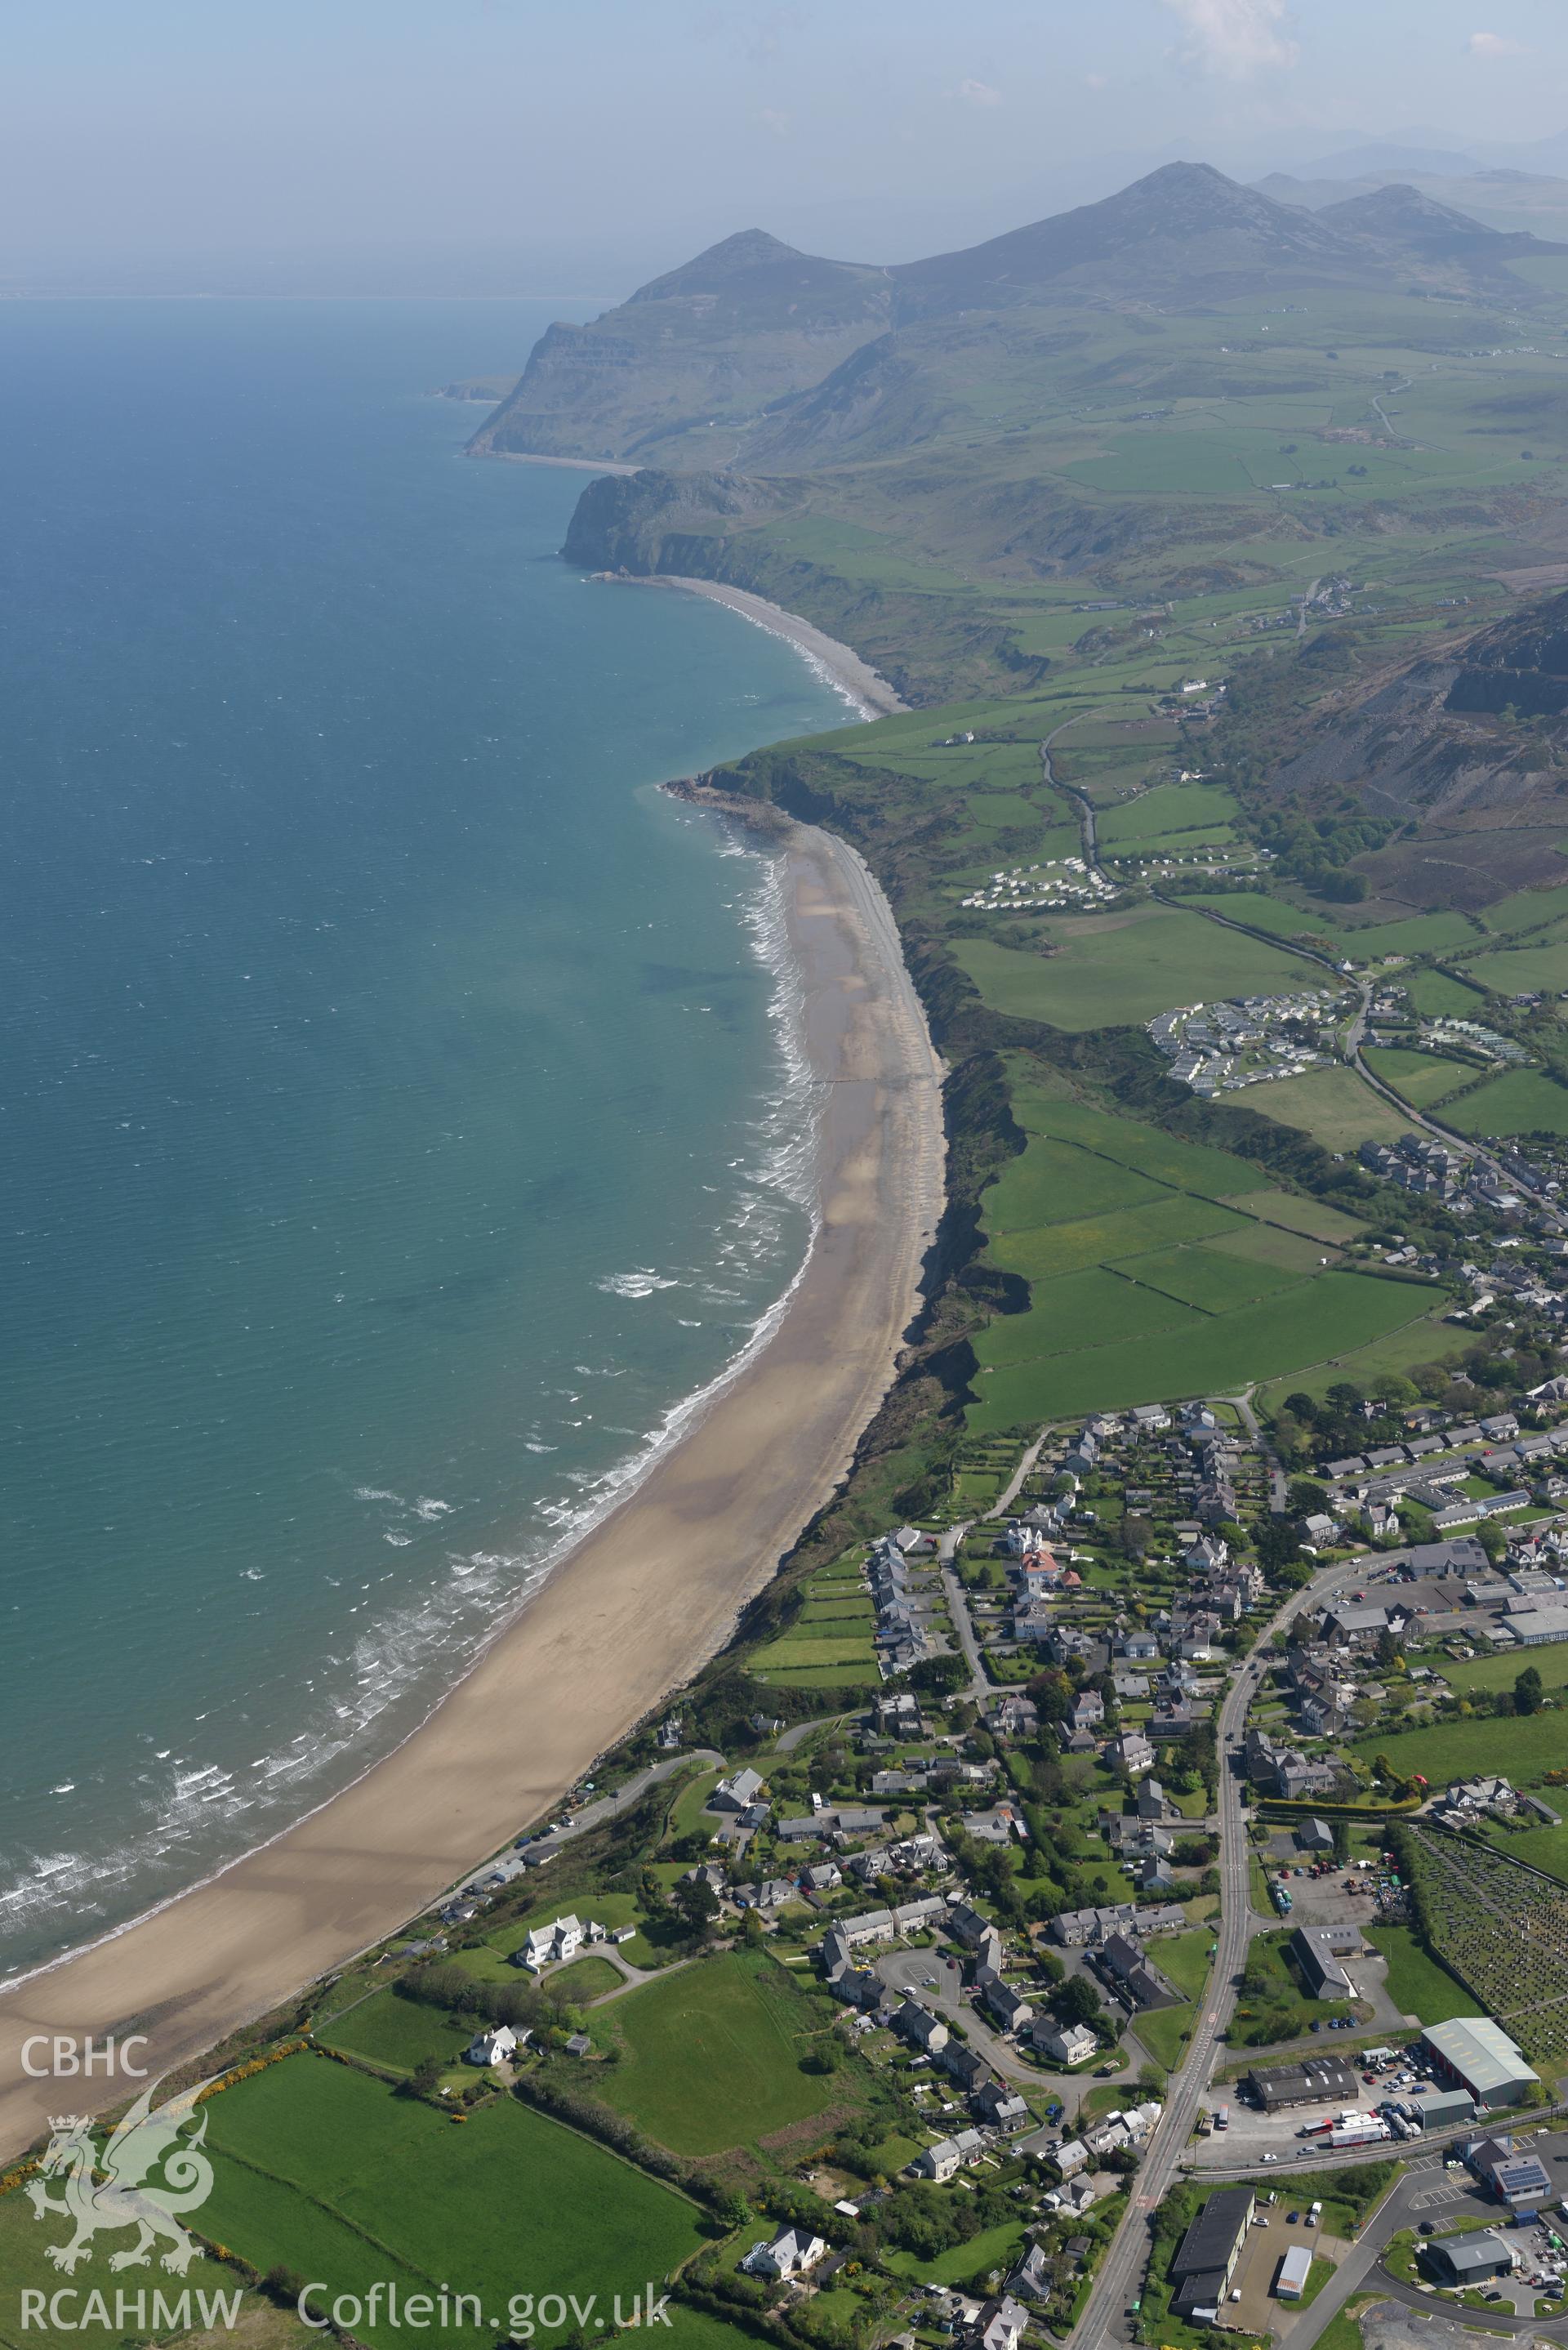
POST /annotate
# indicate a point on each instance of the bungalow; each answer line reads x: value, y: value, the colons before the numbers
x: 822, y: 1878
x: 791, y: 2253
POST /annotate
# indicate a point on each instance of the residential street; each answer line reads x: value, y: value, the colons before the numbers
x: 1104, y: 2312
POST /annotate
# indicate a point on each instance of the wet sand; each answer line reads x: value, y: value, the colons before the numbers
x: 647, y: 1596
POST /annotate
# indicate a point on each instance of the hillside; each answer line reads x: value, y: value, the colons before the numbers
x: 692, y: 354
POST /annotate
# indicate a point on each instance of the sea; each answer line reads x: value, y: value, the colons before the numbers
x: 401, y: 1114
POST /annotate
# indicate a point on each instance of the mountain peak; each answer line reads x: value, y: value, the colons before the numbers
x: 711, y: 271
x: 1404, y: 215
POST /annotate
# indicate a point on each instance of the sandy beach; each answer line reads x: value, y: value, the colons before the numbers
x: 648, y: 1595
x: 871, y: 694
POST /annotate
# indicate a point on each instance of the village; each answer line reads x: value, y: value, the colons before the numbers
x: 1133, y: 1750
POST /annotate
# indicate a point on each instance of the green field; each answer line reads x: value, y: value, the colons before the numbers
x: 1315, y: 1218
x: 397, y: 2032
x: 1265, y: 1244
x: 587, y: 1979
x: 1115, y: 968
x: 993, y: 2247
x: 1165, y: 1157
x: 1521, y: 1745
x: 1103, y: 1240
x: 1417, y: 1985
x: 1184, y: 1958
x: 1095, y: 1308
x: 1539, y: 967
x: 1219, y: 1355
x: 1334, y: 1106
x: 1422, y: 1341
x: 1213, y: 1282
x: 1525, y: 1101
x: 1205, y: 811
x: 326, y: 2171
x: 1438, y: 996
x: 1052, y: 1183
x: 711, y: 2057
x: 1162, y: 2031
x: 1421, y: 1077
x: 25, y: 2265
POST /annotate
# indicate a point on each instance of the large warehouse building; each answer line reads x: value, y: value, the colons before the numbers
x: 1322, y: 2080
x: 1475, y: 2053
x: 1205, y: 2257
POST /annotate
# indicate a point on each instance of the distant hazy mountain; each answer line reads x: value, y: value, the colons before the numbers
x: 1407, y: 162
x: 754, y: 354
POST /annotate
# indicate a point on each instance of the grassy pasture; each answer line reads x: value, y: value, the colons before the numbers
x: 1204, y: 810
x: 1539, y: 967
x: 1527, y: 910
x: 26, y: 2268
x: 1422, y: 1077
x: 1334, y: 1106
x: 1288, y: 1253
x: 1225, y: 1352
x: 1214, y: 1284
x: 1278, y: 917
x: 1421, y: 1341
x: 1521, y: 1745
x: 1041, y: 1255
x: 1417, y: 1985
x: 1186, y: 1166
x: 397, y: 2032
x: 1093, y: 1308
x: 1524, y: 1101
x: 1056, y: 1183
x: 711, y: 2056
x: 1441, y: 997
x: 326, y: 2171
x: 1315, y: 1218
x: 1119, y: 969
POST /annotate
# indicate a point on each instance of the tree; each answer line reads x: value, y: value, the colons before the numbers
x: 1137, y: 1534
x: 697, y: 1903
x: 1527, y: 1691
x: 1307, y: 1498
x: 1076, y: 2000
x: 424, y: 2080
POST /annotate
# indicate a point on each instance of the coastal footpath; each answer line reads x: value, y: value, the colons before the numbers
x: 633, y: 1610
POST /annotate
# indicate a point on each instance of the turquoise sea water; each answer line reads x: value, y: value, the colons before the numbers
x: 397, y: 1119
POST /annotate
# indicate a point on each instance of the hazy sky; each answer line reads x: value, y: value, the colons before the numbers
x: 611, y: 136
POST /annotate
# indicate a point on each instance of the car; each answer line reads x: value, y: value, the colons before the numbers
x: 1290, y: 2218
x: 929, y: 1982
x: 1428, y: 2228
x: 1271, y: 2157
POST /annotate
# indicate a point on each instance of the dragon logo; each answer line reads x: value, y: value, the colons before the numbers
x: 151, y: 2178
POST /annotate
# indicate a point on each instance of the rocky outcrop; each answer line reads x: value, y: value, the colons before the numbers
x: 650, y: 521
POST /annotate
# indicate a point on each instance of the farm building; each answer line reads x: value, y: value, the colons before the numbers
x: 1475, y: 2053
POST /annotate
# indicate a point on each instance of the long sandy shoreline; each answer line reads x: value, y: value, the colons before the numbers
x: 644, y: 1599
x: 871, y: 692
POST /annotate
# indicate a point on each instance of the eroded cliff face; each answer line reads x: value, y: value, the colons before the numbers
x: 653, y: 520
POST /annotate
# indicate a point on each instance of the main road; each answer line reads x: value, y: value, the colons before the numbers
x: 1117, y: 2282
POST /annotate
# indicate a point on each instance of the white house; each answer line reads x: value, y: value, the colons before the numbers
x: 492, y: 2047
x: 1074, y: 2046
x: 791, y: 2251
x: 561, y: 1939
